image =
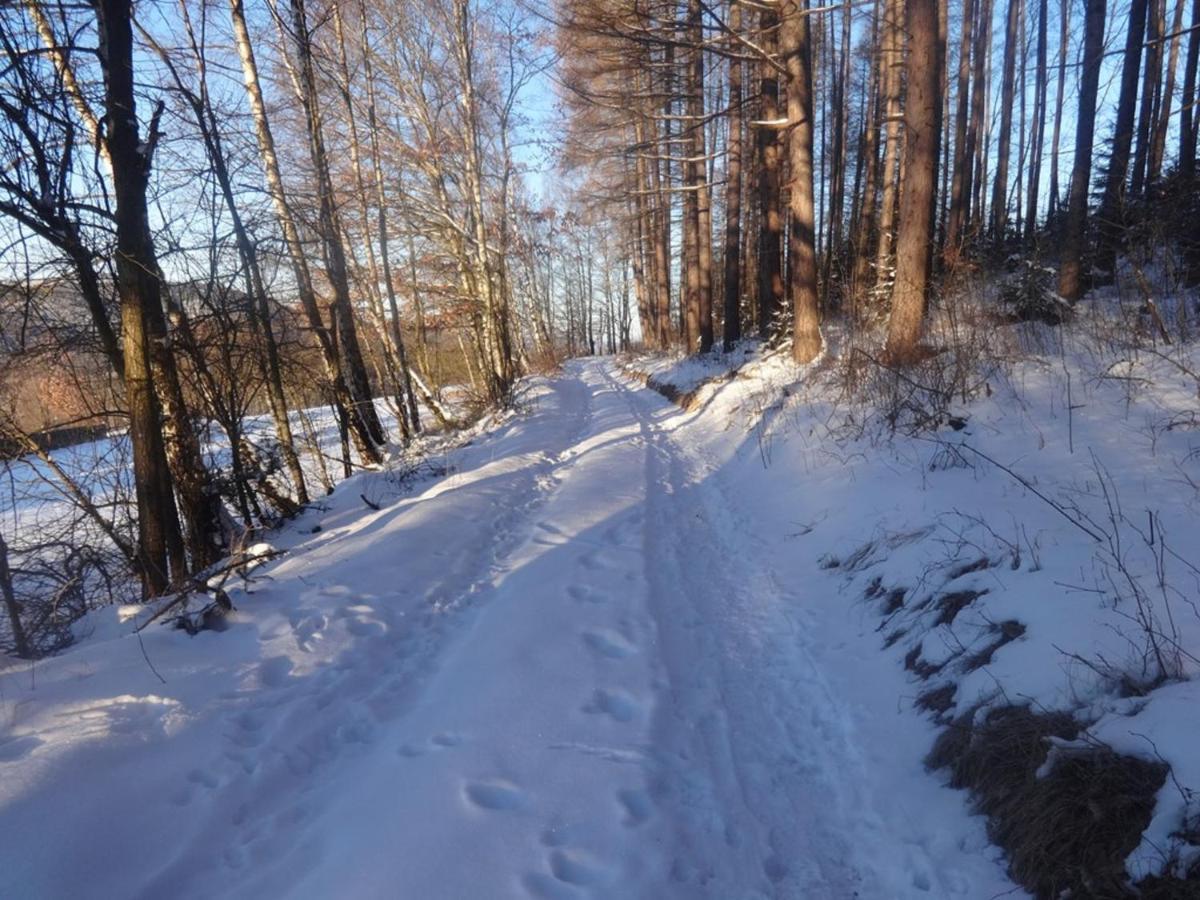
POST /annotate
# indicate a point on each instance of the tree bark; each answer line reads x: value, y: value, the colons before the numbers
x: 1064, y: 23
x: 892, y: 61
x: 733, y: 192
x: 383, y: 232
x: 1150, y: 86
x: 770, y: 246
x: 918, y: 192
x: 1038, y: 137
x: 802, y: 257
x: 1007, y: 84
x: 1159, y: 146
x: 964, y: 140
x: 330, y: 231
x: 1070, y: 274
x: 1112, y: 203
x: 20, y: 639
x: 1188, y: 118
x: 341, y: 399
x: 864, y: 227
x: 704, y: 255
x: 161, y: 556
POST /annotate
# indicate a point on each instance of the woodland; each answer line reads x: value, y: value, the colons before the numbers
x: 257, y: 253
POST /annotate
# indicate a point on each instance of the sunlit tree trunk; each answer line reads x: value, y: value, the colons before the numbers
x: 342, y: 398
x: 770, y: 244
x: 733, y: 193
x: 160, y: 548
x: 796, y: 51
x: 914, y: 246
x: 891, y: 60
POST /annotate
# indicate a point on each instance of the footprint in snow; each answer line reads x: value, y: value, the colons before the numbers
x: 617, y: 704
x: 19, y: 748
x: 774, y: 868
x: 494, y: 794
x: 201, y: 777
x: 547, y: 887
x: 575, y: 867
x: 608, y: 643
x: 274, y: 672
x: 581, y: 593
x: 637, y: 805
x: 595, y: 562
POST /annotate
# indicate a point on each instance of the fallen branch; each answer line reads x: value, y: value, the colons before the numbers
x: 200, y: 583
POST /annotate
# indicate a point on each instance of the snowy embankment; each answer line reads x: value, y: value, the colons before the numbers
x: 1026, y: 577
x: 572, y: 667
x: 619, y: 649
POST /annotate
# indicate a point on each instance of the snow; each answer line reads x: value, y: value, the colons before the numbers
x: 608, y: 654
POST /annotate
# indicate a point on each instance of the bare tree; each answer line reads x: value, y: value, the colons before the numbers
x: 1070, y: 273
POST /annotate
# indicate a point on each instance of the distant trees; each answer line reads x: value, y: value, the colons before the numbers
x: 394, y: 248
x: 894, y: 149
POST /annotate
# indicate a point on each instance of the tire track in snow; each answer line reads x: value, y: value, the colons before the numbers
x: 285, y: 738
x: 738, y: 746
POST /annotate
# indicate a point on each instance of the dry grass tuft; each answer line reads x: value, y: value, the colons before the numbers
x: 951, y: 604
x: 1066, y: 833
x: 939, y: 699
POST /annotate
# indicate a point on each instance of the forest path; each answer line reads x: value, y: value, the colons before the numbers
x: 566, y: 670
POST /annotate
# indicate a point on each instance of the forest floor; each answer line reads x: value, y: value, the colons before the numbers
x: 605, y: 653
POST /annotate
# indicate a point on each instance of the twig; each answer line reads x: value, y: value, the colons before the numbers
x: 1025, y: 483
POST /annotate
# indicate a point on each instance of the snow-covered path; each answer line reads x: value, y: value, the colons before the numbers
x: 571, y: 669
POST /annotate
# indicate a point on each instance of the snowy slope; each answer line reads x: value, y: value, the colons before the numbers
x: 583, y: 664
x: 1061, y: 515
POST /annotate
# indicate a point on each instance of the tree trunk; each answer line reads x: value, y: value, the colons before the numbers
x: 840, y: 73
x: 770, y: 273
x: 258, y: 308
x: 892, y: 61
x: 802, y: 257
x: 341, y: 398
x: 1188, y: 119
x: 733, y: 193
x: 1037, y: 138
x: 20, y: 640
x: 864, y: 227
x: 1064, y: 23
x: 330, y: 231
x: 700, y: 176
x: 1070, y: 274
x: 980, y: 117
x: 1007, y: 84
x: 161, y: 555
x: 1112, y: 204
x: 1150, y: 86
x: 964, y: 141
x: 383, y: 233
x: 918, y: 192
x: 1159, y: 147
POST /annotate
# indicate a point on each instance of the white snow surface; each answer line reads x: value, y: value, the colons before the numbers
x: 592, y: 661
